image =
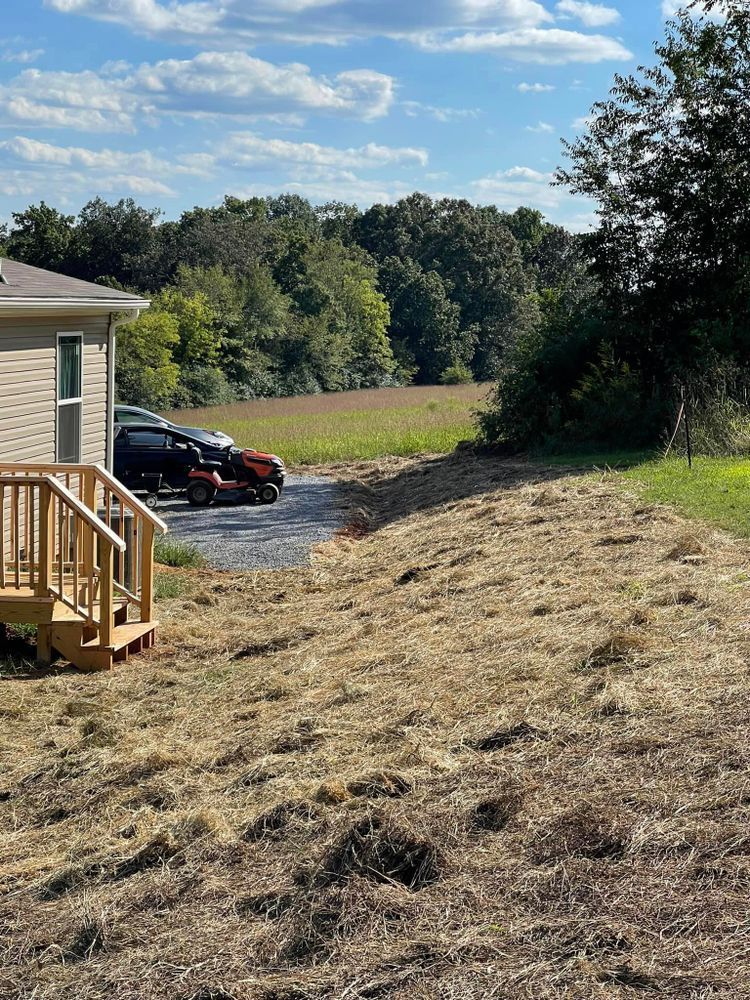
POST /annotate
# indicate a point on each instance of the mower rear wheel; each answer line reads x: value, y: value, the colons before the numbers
x: 200, y: 493
x: 268, y: 493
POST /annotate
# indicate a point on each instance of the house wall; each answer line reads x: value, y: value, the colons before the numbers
x: 28, y: 387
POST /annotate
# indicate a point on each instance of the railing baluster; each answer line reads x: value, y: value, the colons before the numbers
x: 32, y: 538
x: 25, y: 526
x: 60, y: 564
x: 17, y: 534
x: 2, y: 536
x: 76, y: 593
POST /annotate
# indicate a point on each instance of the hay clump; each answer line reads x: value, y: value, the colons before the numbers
x: 277, y: 822
x: 687, y: 548
x: 620, y: 648
x: 521, y: 732
x: 585, y: 831
x: 378, y: 848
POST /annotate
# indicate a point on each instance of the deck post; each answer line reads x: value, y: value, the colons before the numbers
x: 147, y: 572
x: 46, y: 540
x: 106, y: 594
x: 89, y: 543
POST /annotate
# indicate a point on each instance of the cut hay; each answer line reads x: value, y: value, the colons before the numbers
x: 521, y: 773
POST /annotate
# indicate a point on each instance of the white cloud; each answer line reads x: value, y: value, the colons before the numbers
x: 523, y: 185
x: 535, y: 88
x: 592, y: 15
x: 23, y: 56
x: 85, y: 100
x: 552, y: 47
x: 237, y: 83
x: 515, y: 28
x: 21, y: 109
x: 148, y: 17
x: 415, y: 108
x: 121, y: 97
x: 104, y: 170
x: 540, y: 127
x: 246, y: 149
x: 671, y: 7
x: 334, y: 185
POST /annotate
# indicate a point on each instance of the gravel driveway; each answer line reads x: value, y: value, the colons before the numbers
x: 244, y: 536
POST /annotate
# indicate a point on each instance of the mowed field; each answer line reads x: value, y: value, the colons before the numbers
x: 491, y: 744
x: 347, y: 426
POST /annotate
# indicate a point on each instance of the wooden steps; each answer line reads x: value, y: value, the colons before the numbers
x: 70, y: 639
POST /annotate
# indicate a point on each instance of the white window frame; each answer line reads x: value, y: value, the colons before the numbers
x: 68, y: 402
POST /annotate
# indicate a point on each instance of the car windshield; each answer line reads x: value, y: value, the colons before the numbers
x: 137, y: 417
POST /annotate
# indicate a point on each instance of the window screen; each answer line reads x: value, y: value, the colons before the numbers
x: 69, y: 433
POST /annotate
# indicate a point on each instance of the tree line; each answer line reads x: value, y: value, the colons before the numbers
x: 275, y: 296
x: 665, y: 312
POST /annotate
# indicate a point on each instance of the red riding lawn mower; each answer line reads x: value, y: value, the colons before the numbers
x: 253, y: 472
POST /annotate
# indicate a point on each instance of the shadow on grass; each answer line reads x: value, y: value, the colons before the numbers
x: 438, y: 482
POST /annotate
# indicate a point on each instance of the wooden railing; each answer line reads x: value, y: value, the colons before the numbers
x: 73, y: 532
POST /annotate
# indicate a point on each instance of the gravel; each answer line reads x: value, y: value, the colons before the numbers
x: 245, y: 536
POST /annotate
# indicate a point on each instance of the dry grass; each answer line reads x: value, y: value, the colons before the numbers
x: 495, y: 748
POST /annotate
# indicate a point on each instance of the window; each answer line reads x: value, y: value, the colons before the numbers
x: 137, y: 417
x: 148, y: 439
x: 69, y: 396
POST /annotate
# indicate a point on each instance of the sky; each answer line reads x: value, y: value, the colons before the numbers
x: 177, y: 103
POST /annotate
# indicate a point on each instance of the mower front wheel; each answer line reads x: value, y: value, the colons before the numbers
x: 200, y: 493
x: 268, y: 493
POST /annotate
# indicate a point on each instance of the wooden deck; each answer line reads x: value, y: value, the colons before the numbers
x: 77, y: 560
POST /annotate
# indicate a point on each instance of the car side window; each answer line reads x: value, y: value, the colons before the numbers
x: 147, y: 439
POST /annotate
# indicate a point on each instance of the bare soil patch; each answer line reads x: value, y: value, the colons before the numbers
x: 494, y: 746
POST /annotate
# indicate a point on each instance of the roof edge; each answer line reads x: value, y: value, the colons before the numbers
x: 20, y: 303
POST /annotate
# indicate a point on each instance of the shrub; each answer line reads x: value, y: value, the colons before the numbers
x: 171, y: 552
x: 457, y: 374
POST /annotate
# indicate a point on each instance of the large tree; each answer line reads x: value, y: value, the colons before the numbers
x: 43, y: 237
x: 667, y: 160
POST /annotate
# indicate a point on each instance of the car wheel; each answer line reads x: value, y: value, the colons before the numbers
x: 200, y: 494
x: 269, y: 493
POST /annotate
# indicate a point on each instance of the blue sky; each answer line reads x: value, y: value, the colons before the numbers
x: 179, y: 102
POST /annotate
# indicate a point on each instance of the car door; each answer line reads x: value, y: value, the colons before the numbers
x: 143, y: 455
x: 180, y: 457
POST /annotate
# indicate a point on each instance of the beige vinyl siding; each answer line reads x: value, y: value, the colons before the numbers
x: 28, y: 387
x: 94, y: 438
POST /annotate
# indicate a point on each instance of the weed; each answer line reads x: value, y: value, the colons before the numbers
x: 172, y: 552
x: 168, y: 586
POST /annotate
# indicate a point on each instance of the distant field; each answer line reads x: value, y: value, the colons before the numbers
x: 342, y: 426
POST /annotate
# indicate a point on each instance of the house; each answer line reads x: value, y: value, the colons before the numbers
x: 76, y: 547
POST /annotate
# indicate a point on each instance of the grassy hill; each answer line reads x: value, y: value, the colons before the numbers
x: 495, y: 746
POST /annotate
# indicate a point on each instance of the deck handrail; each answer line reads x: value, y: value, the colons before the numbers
x: 73, y: 502
x: 102, y: 474
x: 124, y: 495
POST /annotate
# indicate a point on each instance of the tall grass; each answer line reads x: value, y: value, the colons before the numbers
x: 336, y: 427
